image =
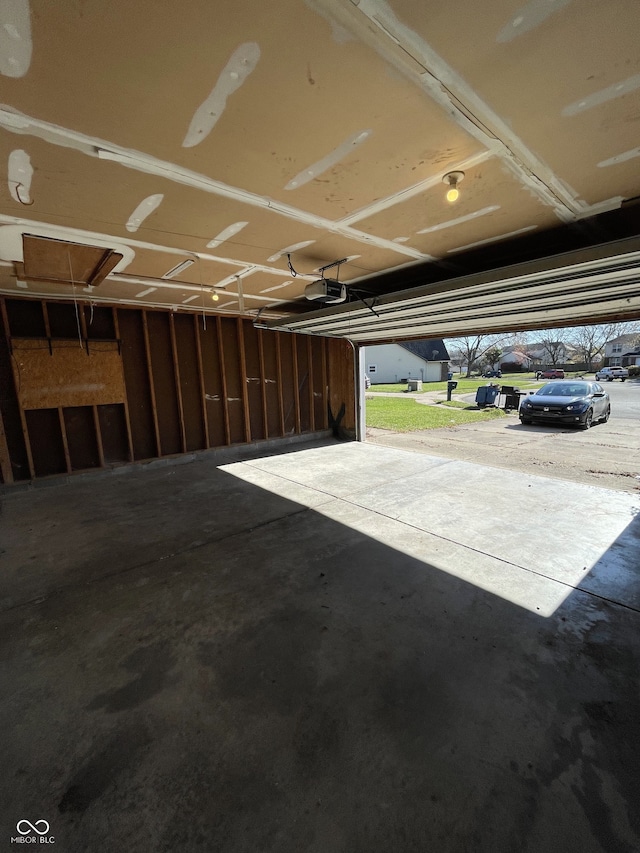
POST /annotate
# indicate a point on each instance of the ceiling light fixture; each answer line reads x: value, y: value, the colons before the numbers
x: 178, y: 269
x: 452, y: 179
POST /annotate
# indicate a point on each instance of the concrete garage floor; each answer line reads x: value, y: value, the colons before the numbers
x: 345, y: 648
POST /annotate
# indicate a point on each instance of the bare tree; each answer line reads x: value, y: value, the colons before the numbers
x: 555, y: 347
x: 473, y: 349
x: 590, y: 341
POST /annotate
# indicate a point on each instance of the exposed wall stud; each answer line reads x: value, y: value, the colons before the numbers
x: 312, y: 408
x: 47, y: 327
x: 84, y: 331
x: 152, y: 389
x: 5, y: 461
x: 23, y: 420
x: 267, y: 356
x: 243, y: 380
x: 263, y: 384
x: 65, y: 444
x: 280, y: 392
x: 325, y: 385
x: 127, y: 419
x: 223, y: 380
x: 96, y: 422
x: 203, y: 398
x: 296, y: 386
x: 176, y: 373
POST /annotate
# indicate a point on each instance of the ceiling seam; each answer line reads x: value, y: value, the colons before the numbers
x: 409, y: 192
x: 117, y: 302
x: 190, y: 286
x: 22, y: 124
x: 448, y: 89
x: 114, y: 241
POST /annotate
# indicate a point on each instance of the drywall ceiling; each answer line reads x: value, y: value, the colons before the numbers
x: 232, y: 134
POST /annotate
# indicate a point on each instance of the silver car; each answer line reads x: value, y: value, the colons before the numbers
x: 611, y: 373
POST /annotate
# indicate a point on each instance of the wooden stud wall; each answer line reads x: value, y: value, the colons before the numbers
x: 341, y: 384
x: 189, y: 385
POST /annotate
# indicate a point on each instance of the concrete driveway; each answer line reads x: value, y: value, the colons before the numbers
x: 607, y: 455
x: 346, y: 648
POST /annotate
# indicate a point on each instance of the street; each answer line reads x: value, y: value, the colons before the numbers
x: 625, y: 399
x: 607, y: 455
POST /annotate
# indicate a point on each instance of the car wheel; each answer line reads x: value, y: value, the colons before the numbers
x: 605, y: 417
x: 525, y: 421
x: 588, y: 419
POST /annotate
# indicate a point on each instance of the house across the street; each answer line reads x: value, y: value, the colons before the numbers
x: 515, y: 358
x: 427, y: 361
x: 623, y: 351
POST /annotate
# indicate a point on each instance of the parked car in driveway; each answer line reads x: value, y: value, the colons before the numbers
x: 608, y: 374
x: 488, y: 374
x: 554, y: 373
x: 572, y: 403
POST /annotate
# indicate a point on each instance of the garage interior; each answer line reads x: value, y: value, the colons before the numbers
x: 226, y: 624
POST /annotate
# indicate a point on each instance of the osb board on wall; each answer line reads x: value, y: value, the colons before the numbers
x: 67, y: 375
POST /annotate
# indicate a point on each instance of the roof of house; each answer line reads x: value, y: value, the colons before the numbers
x: 431, y: 350
x: 516, y: 357
x: 629, y: 339
x: 545, y: 346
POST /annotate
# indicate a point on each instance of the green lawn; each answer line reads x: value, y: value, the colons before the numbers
x: 397, y: 389
x: 407, y: 415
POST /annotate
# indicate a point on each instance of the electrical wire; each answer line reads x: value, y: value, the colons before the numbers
x: 204, y: 315
x: 75, y: 301
x: 20, y: 186
x: 291, y: 269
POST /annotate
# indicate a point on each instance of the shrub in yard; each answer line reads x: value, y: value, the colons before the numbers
x: 634, y: 370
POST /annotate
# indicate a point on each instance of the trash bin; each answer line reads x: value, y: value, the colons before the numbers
x: 486, y: 395
x: 451, y: 386
x: 449, y: 376
x: 511, y: 397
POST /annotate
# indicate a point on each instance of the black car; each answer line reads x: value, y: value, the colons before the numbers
x: 488, y: 374
x: 577, y: 403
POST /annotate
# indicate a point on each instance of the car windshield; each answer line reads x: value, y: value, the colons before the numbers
x: 564, y: 389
